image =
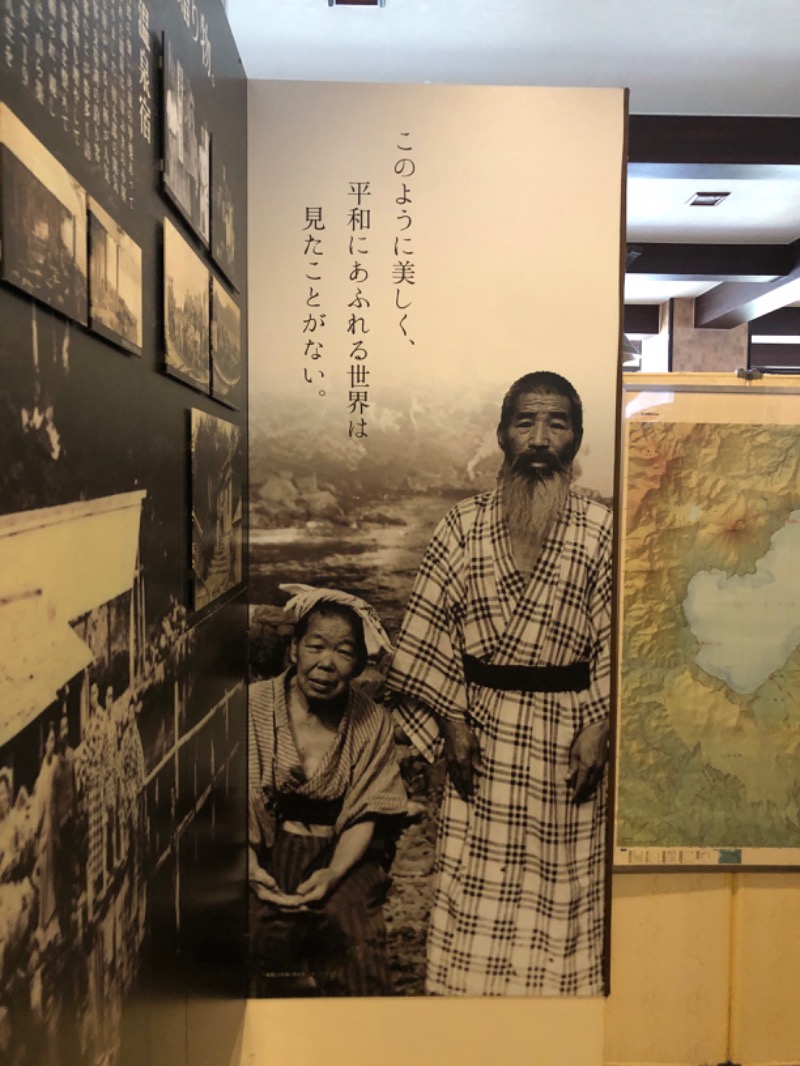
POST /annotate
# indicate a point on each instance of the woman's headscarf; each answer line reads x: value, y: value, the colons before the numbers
x: 305, y: 596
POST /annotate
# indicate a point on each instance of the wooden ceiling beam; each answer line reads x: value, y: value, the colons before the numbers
x: 714, y: 140
x: 641, y: 318
x: 779, y: 355
x: 785, y: 322
x: 711, y: 262
x: 734, y: 303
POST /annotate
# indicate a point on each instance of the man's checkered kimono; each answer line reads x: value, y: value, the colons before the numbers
x: 518, y: 906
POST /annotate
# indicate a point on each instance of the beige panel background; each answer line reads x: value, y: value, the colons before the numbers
x: 515, y: 246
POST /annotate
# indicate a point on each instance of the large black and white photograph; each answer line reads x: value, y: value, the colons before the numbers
x: 86, y: 761
x: 122, y: 712
x: 115, y: 281
x: 226, y: 347
x: 223, y: 214
x: 431, y: 516
x: 216, y: 507
x: 187, y: 147
x: 187, y: 322
x: 42, y: 221
x: 73, y: 817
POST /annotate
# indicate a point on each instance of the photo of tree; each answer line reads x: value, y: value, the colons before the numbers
x: 223, y: 216
x: 186, y: 311
x: 226, y: 347
x: 216, y: 507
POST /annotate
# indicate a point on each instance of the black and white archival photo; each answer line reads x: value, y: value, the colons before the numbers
x: 43, y: 217
x: 187, y: 147
x: 115, y: 281
x: 122, y: 712
x: 216, y: 507
x: 223, y: 214
x: 187, y: 323
x: 226, y: 347
x: 431, y: 504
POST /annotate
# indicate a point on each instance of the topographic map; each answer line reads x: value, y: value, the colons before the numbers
x: 709, y: 739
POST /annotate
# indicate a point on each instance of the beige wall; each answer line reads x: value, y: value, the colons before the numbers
x: 705, y: 969
x: 423, y: 1032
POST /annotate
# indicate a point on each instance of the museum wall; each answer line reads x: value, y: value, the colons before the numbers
x: 123, y: 437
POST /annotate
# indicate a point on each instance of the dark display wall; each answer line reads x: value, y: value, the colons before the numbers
x: 122, y: 486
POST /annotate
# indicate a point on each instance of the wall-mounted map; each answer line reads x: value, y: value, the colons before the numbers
x: 710, y: 650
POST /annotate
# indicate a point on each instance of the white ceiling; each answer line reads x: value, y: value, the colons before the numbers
x: 704, y: 57
x: 756, y: 211
x: 724, y: 57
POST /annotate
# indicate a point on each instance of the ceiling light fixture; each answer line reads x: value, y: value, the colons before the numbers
x: 356, y: 3
x: 707, y: 199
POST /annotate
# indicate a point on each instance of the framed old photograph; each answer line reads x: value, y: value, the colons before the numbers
x: 115, y: 281
x: 226, y: 346
x: 186, y: 311
x: 187, y: 147
x: 223, y: 215
x: 42, y: 222
x: 216, y: 507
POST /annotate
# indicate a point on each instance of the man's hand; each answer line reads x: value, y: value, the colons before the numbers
x: 462, y: 755
x: 587, y: 760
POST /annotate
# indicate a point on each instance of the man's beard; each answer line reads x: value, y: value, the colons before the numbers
x: 532, y: 501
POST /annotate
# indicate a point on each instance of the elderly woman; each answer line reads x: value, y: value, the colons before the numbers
x: 324, y: 782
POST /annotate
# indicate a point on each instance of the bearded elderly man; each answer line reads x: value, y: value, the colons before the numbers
x: 504, y: 653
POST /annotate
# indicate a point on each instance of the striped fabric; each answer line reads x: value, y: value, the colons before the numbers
x: 518, y: 906
x: 360, y: 766
x: 339, y: 944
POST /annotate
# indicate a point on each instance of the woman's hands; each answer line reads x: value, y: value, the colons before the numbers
x: 350, y: 847
x: 266, y: 887
x: 318, y: 886
x: 314, y: 889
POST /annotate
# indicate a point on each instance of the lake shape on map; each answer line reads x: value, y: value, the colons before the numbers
x: 748, y: 625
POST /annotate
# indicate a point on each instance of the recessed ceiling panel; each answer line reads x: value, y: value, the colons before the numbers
x: 766, y: 212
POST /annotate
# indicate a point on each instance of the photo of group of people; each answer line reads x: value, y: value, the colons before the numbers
x: 481, y: 683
